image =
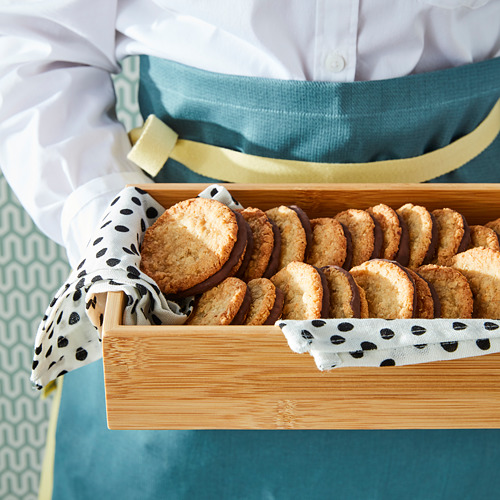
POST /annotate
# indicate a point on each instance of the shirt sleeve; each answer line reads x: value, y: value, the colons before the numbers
x: 62, y: 150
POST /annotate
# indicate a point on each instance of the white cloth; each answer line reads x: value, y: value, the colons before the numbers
x: 69, y: 336
x: 61, y: 147
x: 336, y: 343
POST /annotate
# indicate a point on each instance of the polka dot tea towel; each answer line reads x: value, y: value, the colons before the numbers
x: 69, y: 336
x: 338, y: 343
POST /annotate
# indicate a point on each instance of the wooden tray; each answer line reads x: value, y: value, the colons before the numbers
x: 237, y: 377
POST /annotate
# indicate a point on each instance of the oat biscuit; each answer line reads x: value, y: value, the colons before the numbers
x: 225, y: 304
x: 267, y: 302
x: 293, y: 234
x: 263, y: 243
x: 452, y: 288
x: 396, y: 240
x: 495, y: 225
x: 329, y: 244
x: 366, y: 234
x: 482, y: 236
x: 453, y: 235
x: 389, y: 288
x: 305, y: 291
x: 423, y: 233
x: 481, y: 267
x: 426, y: 306
x: 193, y: 246
x: 347, y: 299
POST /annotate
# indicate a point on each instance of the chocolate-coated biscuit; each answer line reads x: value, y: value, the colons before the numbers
x: 305, y: 291
x: 366, y: 234
x: 482, y: 236
x: 347, y: 299
x: 495, y: 225
x: 294, y: 237
x: 329, y: 244
x: 390, y: 290
x: 423, y: 233
x: 226, y: 304
x: 267, y: 302
x: 263, y: 243
x: 396, y: 239
x: 426, y: 306
x: 452, y: 288
x: 193, y: 246
x: 453, y: 235
x: 481, y: 267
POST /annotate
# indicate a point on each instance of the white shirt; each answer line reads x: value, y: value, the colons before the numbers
x: 61, y: 148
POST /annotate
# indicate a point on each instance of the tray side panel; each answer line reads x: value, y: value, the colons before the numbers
x: 195, y: 378
x: 480, y: 203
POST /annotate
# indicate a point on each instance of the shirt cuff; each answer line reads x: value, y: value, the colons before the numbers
x: 85, y: 207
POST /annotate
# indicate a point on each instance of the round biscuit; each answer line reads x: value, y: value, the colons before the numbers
x: 345, y: 297
x: 452, y: 288
x: 425, y: 301
x: 481, y: 267
x: 482, y: 236
x: 453, y: 235
x: 263, y: 300
x: 390, y: 290
x: 293, y: 234
x: 391, y: 229
x: 263, y: 242
x: 362, y: 228
x: 303, y: 292
x: 495, y: 225
x: 219, y: 305
x: 188, y: 243
x: 329, y: 244
x: 422, y: 233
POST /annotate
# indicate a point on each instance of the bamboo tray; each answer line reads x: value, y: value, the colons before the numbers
x: 248, y: 378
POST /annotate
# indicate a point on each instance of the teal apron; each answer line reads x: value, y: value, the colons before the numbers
x: 325, y: 122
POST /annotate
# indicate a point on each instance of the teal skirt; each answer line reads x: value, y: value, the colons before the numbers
x: 363, y: 121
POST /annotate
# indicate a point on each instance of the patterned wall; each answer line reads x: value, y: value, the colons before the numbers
x: 32, y: 268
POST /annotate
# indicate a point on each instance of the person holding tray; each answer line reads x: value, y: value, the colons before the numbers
x: 340, y: 86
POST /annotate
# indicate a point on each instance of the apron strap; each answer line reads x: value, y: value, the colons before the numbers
x: 155, y: 142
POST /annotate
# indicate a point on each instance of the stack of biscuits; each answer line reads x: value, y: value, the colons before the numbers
x: 253, y: 267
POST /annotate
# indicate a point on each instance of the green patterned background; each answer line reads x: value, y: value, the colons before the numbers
x: 32, y: 268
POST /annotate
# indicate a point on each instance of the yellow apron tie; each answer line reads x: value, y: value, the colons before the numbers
x: 155, y: 142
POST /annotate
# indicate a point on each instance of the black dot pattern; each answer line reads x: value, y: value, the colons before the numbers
x: 69, y: 335
x: 336, y: 343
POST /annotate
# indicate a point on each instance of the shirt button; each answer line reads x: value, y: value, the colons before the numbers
x: 334, y: 62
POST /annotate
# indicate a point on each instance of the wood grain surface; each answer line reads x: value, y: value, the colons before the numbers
x: 237, y: 377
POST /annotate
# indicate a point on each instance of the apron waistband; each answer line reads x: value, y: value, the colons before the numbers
x: 155, y: 142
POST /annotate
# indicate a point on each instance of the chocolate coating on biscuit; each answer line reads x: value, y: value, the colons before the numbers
x: 225, y: 270
x: 403, y: 255
x: 378, y: 238
x: 277, y: 309
x: 431, y: 251
x: 248, y: 253
x: 466, y: 238
x: 306, y: 224
x: 348, y: 255
x: 435, y: 297
x: 274, y: 260
x: 325, y: 305
x: 240, y: 316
